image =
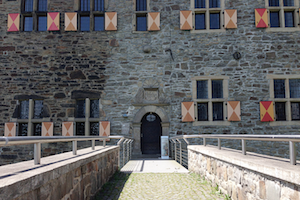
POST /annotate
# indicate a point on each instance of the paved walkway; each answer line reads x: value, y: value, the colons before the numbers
x: 157, y: 179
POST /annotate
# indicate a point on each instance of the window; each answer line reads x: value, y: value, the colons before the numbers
x: 91, y: 15
x: 30, y: 117
x: 141, y: 8
x: 207, y: 14
x: 87, y: 117
x: 285, y: 93
x: 210, y: 94
x: 282, y: 13
x: 34, y: 15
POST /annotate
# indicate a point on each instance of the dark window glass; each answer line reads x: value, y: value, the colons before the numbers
x: 200, y: 21
x: 294, y: 88
x: 80, y: 128
x: 217, y: 111
x: 202, y: 111
x: 85, y: 5
x: 37, y: 129
x: 141, y: 5
x: 288, y: 2
x: 28, y: 24
x: 99, y: 5
x: 42, y: 23
x: 279, y: 88
x: 38, y: 109
x: 94, y: 108
x: 94, y: 128
x: 274, y: 19
x: 85, y: 23
x: 99, y: 23
x: 80, y: 109
x: 214, y: 20
x: 280, y: 111
x: 289, y: 18
x: 199, y: 3
x: 202, y: 89
x: 217, y: 88
x: 28, y: 5
x: 214, y: 3
x: 23, y: 129
x: 42, y: 5
x: 24, y: 109
x: 295, y: 111
x: 273, y: 2
x: 141, y: 23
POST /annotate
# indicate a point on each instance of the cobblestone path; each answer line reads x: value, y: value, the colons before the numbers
x: 173, y: 186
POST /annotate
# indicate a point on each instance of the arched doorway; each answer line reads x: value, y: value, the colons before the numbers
x: 151, y: 131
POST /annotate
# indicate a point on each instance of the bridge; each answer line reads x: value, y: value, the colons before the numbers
x: 217, y: 172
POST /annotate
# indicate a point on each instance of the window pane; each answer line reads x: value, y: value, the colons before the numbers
x: 200, y: 21
x: 99, y: 5
x: 217, y: 88
x: 42, y: 23
x: 280, y: 111
x: 80, y: 126
x: 141, y: 23
x: 279, y: 88
x: 274, y: 19
x: 24, y: 109
x: 295, y: 111
x: 23, y: 129
x: 273, y: 2
x: 289, y: 18
x: 288, y: 2
x: 99, y: 23
x: 28, y: 6
x: 199, y: 3
x: 94, y: 108
x: 217, y: 111
x: 38, y: 109
x: 202, y: 112
x: 37, y: 129
x: 28, y: 24
x: 214, y: 20
x: 214, y: 3
x: 84, y: 23
x: 141, y: 5
x: 94, y: 128
x: 80, y: 109
x: 42, y: 5
x: 85, y: 5
x: 202, y: 89
x: 294, y: 88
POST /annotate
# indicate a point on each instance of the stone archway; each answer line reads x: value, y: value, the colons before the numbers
x: 165, y: 124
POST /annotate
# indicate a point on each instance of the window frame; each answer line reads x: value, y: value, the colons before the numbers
x: 207, y: 12
x: 287, y: 100
x: 281, y: 9
x: 136, y: 13
x: 210, y: 101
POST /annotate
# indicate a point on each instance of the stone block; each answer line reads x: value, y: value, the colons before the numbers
x: 273, y: 190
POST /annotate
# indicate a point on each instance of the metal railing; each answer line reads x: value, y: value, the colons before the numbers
x: 125, y: 144
x: 179, y: 149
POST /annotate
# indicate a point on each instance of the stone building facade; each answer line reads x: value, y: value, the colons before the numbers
x: 141, y: 76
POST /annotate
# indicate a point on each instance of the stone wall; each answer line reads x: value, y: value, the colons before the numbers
x: 251, y: 177
x: 119, y: 65
x: 62, y: 176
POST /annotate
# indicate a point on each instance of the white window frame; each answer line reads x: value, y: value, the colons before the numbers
x: 207, y: 11
x: 287, y: 99
x: 210, y: 100
x: 135, y: 13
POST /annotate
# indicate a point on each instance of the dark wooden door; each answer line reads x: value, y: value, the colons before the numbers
x: 150, y: 134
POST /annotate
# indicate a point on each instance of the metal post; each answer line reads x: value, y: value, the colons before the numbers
x: 204, y: 141
x: 93, y: 144
x: 37, y: 153
x: 175, y: 150
x: 292, y: 153
x: 104, y: 142
x: 124, y: 152
x: 219, y: 143
x: 74, y: 147
x: 180, y: 153
x: 244, y: 147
